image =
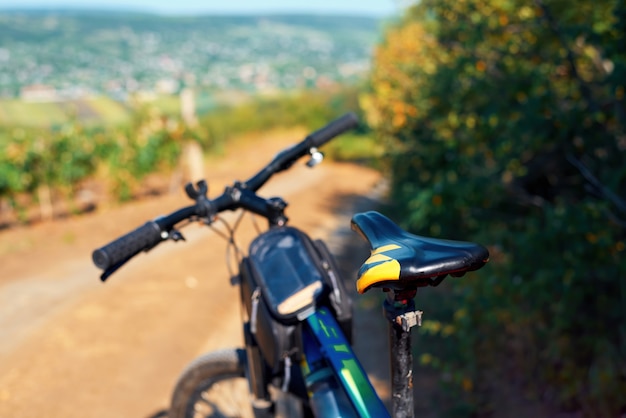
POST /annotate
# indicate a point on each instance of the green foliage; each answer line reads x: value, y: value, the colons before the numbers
x: 63, y: 157
x: 129, y: 153
x: 30, y: 158
x: 357, y: 148
x: 504, y: 122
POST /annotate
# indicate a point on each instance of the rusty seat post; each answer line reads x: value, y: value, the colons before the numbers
x: 399, y: 309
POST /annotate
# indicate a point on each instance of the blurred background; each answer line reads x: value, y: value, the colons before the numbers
x: 495, y: 121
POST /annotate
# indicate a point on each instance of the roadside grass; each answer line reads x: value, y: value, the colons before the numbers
x: 100, y: 110
x: 111, y: 112
x: 28, y: 114
x: 168, y: 104
x: 361, y: 148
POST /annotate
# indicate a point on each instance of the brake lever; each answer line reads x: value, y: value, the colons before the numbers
x: 175, y: 235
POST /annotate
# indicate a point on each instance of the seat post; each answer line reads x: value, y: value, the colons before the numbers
x: 399, y: 308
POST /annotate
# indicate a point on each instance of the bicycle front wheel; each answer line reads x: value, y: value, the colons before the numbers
x: 213, y: 385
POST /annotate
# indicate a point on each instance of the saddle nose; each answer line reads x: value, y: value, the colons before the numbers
x: 401, y: 261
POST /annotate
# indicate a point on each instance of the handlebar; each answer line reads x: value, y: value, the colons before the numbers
x: 241, y: 195
x: 287, y: 157
x: 333, y: 129
x: 144, y: 238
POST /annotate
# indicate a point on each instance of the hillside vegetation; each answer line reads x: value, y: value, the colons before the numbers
x: 40, y: 165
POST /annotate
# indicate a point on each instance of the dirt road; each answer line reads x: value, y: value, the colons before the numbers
x: 71, y: 346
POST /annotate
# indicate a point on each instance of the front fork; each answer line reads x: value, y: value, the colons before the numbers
x: 400, y: 311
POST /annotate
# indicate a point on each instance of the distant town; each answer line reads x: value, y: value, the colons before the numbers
x: 64, y: 55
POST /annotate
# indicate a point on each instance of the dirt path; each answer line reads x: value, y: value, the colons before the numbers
x: 73, y: 347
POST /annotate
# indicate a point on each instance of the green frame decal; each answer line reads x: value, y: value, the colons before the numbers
x: 336, y: 350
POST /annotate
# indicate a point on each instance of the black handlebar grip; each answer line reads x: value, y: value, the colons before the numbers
x: 142, y: 238
x: 334, y: 128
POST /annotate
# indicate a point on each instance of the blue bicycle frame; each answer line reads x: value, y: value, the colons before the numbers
x: 323, y: 338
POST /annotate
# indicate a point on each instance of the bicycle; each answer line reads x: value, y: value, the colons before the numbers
x: 297, y: 321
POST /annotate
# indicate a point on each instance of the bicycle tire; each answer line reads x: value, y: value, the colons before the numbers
x: 213, y: 385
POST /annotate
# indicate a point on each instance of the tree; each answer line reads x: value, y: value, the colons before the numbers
x: 505, y: 124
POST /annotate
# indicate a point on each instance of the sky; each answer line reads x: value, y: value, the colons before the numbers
x: 357, y: 7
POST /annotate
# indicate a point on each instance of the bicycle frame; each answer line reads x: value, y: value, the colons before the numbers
x: 323, y: 346
x: 325, y: 354
x: 323, y: 338
x: 332, y: 345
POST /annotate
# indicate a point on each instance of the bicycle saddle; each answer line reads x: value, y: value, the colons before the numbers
x: 400, y: 260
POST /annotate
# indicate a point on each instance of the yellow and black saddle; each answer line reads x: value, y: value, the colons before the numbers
x: 400, y: 260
